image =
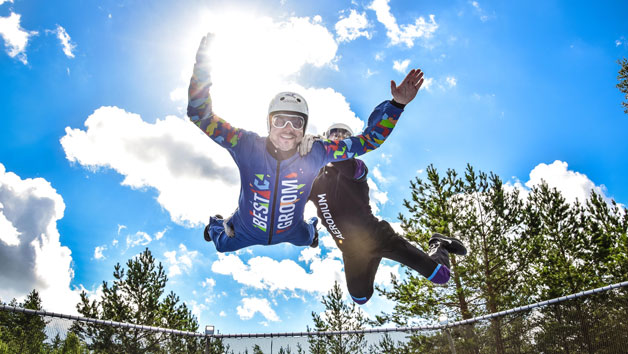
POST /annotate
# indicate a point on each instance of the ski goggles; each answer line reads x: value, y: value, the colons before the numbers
x: 338, y: 134
x: 280, y: 120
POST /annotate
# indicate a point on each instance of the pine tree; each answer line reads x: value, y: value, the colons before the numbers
x: 488, y: 218
x: 568, y: 264
x: 21, y: 332
x: 136, y: 296
x: 338, y: 316
x: 623, y: 81
x: 432, y: 208
x: 389, y: 346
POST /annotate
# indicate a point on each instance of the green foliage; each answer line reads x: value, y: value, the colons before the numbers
x: 338, y: 316
x: 288, y: 350
x: 622, y: 76
x: 21, y: 332
x: 521, y: 249
x: 488, y: 218
x: 72, y: 345
x: 136, y: 296
x: 389, y: 346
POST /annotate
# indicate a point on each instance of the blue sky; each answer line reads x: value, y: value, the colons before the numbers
x: 97, y: 161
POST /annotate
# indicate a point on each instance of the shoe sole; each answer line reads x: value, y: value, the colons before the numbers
x: 452, y: 245
x: 206, y: 234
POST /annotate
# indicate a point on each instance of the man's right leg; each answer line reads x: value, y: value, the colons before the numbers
x: 401, y: 250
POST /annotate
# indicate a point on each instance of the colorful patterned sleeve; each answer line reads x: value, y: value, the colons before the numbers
x: 200, y: 111
x: 381, y: 123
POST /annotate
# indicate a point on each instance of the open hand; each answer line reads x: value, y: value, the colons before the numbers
x: 407, y: 90
x: 202, y: 55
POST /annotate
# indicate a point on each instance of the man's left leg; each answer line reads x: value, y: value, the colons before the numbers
x: 360, y: 270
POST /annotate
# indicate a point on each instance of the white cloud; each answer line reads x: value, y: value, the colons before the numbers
x: 250, y: 306
x: 3, y: 1
x: 285, y: 275
x: 377, y: 173
x: 404, y: 34
x: 385, y: 273
x: 179, y: 94
x: 98, y: 252
x: 222, y: 314
x: 369, y: 73
x: 480, y: 12
x: 180, y: 263
x: 376, y: 196
x: 140, y: 238
x: 15, y: 37
x: 352, y: 27
x: 572, y: 185
x: 172, y: 155
x: 160, y: 234
x: 401, y: 66
x: 197, y: 309
x: 442, y: 84
x: 208, y: 283
x: 193, y: 176
x: 379, y: 56
x: 66, y: 42
x: 8, y: 233
x: 120, y: 228
x: 451, y: 81
x: 420, y: 171
x: 29, y: 210
x: 397, y: 227
x: 427, y: 83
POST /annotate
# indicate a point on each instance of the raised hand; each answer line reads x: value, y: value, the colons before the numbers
x: 407, y: 90
x: 202, y: 54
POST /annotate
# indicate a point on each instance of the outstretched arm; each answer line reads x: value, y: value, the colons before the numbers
x: 200, y: 104
x: 380, y: 123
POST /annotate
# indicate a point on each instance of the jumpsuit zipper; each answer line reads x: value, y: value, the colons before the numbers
x: 272, y: 213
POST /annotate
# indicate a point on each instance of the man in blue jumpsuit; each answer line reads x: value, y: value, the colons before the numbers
x: 275, y: 180
x: 341, y: 195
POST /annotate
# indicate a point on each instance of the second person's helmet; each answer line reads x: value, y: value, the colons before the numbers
x: 341, y: 129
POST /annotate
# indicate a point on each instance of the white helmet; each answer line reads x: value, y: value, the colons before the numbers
x: 289, y: 102
x: 338, y: 126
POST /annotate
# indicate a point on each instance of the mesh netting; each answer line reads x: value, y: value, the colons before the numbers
x: 596, y: 322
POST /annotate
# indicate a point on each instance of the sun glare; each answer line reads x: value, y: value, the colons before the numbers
x: 254, y: 56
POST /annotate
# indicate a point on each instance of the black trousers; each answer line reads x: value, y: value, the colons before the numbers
x: 362, y: 259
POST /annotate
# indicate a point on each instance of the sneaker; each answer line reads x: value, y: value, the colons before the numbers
x: 314, y: 221
x: 315, y: 240
x: 452, y: 245
x: 441, y: 246
x: 206, y: 231
x: 206, y: 234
